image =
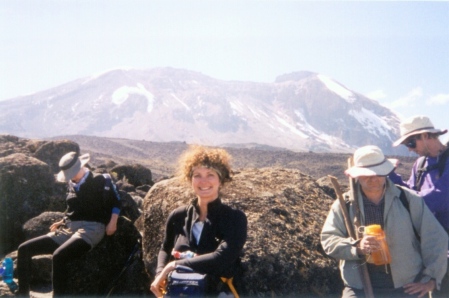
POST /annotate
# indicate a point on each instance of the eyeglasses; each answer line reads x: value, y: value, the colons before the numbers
x: 410, y: 143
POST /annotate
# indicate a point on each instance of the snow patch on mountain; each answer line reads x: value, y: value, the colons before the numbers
x: 236, y: 106
x: 337, y: 89
x: 291, y: 127
x: 74, y: 106
x: 180, y: 101
x: 373, y: 123
x: 121, y: 94
x: 304, y: 125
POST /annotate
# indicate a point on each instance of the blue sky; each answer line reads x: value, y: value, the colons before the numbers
x: 394, y: 52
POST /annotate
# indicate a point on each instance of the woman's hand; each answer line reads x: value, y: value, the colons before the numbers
x: 56, y: 225
x: 159, y: 283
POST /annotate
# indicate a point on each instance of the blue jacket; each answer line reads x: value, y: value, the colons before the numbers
x: 434, y: 189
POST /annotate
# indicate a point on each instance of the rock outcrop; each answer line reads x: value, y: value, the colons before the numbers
x: 26, y: 189
x: 285, y: 209
x: 31, y: 200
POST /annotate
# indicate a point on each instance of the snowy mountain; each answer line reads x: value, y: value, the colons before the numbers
x: 301, y: 111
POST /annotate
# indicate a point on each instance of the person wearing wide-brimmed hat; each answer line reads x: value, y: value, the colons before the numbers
x: 429, y: 177
x: 420, y: 136
x: 93, y: 207
x: 417, y: 263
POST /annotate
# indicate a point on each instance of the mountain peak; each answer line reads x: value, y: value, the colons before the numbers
x: 168, y: 104
x: 294, y: 76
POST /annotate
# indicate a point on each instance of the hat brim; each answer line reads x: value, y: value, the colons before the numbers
x: 417, y: 132
x: 65, y: 176
x: 381, y: 170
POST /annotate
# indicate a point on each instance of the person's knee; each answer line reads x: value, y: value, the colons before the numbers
x: 70, y: 251
x: 23, y: 249
x: 58, y: 256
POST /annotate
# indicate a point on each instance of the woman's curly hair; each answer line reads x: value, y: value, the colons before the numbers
x: 214, y: 158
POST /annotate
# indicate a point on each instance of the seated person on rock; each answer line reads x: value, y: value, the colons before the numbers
x: 213, y: 231
x: 92, y: 210
x: 413, y: 260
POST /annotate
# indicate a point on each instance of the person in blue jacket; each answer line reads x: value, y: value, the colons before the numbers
x: 429, y: 177
x: 93, y: 208
x: 214, y: 232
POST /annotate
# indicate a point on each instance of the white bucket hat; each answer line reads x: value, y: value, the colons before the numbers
x: 369, y: 161
x: 70, y: 164
x: 416, y: 125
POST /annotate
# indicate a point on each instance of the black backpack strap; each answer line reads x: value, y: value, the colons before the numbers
x: 440, y: 165
x: 442, y: 161
x: 107, y: 184
x: 406, y: 204
x: 420, y: 170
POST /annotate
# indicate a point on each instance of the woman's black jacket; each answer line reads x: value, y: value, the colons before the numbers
x: 221, y: 243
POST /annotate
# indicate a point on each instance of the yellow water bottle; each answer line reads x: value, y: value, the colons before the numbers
x: 382, y: 255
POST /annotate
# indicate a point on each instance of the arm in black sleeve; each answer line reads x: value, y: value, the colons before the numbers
x: 233, y: 227
x: 173, y: 227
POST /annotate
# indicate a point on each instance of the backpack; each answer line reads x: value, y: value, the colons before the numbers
x: 406, y: 204
x: 108, y: 186
x: 421, y: 169
x: 183, y: 281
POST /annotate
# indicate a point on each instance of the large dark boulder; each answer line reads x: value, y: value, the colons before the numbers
x: 135, y: 174
x: 11, y: 144
x: 40, y: 225
x: 131, y: 206
x: 286, y: 211
x: 26, y: 188
x: 31, y: 200
x: 114, y: 265
x: 51, y: 152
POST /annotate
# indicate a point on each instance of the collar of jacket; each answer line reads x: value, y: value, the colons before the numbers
x: 391, y: 193
x: 210, y: 207
x: 76, y: 186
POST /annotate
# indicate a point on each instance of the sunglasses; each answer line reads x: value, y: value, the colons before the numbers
x: 411, y: 142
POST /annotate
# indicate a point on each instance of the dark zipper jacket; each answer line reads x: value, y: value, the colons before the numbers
x: 221, y: 243
x: 91, y: 202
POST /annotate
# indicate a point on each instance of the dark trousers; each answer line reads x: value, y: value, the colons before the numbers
x: 378, y: 293
x: 69, y: 250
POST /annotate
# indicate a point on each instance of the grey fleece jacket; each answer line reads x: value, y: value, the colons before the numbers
x: 409, y: 256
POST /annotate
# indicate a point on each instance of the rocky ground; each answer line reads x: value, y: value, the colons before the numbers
x: 285, y: 205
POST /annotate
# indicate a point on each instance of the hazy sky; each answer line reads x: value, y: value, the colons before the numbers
x: 394, y: 52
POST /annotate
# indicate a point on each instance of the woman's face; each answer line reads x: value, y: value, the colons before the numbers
x: 205, y: 183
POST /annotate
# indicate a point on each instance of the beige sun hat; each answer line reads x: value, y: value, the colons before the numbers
x: 416, y: 125
x: 370, y: 161
x: 70, y: 164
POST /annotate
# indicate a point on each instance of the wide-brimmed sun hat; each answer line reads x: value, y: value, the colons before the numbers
x: 416, y: 125
x: 369, y: 161
x: 70, y: 164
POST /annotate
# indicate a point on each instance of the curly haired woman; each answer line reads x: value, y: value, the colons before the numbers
x: 213, y: 231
